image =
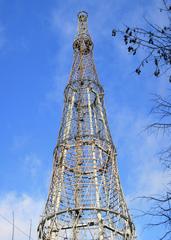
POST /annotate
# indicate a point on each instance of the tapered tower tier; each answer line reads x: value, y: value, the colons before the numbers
x: 85, y: 200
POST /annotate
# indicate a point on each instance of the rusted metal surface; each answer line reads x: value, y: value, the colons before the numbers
x: 85, y: 198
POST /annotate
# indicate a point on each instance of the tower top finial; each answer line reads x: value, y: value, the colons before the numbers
x: 83, y: 42
x: 82, y: 22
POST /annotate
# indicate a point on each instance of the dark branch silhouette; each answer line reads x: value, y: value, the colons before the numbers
x: 160, y: 213
x: 155, y: 40
x: 161, y: 205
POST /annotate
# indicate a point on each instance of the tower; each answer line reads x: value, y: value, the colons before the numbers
x: 85, y: 200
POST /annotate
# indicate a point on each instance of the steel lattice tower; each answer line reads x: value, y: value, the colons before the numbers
x: 85, y: 198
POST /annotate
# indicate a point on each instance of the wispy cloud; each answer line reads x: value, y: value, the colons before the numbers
x: 19, y: 142
x: 140, y: 168
x: 25, y: 208
x: 32, y: 164
x: 142, y: 151
x: 60, y: 22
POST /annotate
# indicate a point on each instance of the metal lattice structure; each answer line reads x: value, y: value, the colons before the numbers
x: 85, y: 198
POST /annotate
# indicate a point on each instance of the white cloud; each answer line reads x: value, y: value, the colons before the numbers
x: 19, y: 142
x: 146, y: 174
x: 140, y: 168
x: 60, y: 22
x: 25, y: 209
x: 32, y: 164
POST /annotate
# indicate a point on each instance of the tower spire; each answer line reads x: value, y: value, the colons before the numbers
x: 82, y: 22
x: 85, y: 200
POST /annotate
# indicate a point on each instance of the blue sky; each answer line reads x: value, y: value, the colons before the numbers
x: 35, y: 60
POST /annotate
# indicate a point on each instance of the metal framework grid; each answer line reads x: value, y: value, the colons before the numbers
x: 85, y: 198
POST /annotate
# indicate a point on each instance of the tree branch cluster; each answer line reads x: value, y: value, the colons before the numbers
x: 161, y: 213
x: 155, y: 39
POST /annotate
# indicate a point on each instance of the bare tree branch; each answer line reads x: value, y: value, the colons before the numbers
x: 155, y: 40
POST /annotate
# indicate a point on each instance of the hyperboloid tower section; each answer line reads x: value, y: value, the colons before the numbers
x: 85, y: 198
